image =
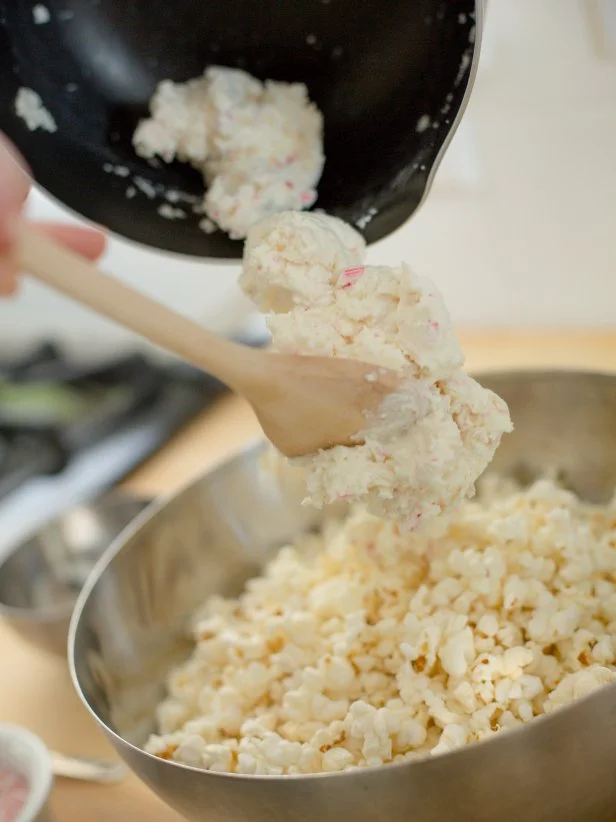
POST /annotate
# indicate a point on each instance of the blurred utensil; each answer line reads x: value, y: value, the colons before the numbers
x: 86, y: 769
x: 392, y: 87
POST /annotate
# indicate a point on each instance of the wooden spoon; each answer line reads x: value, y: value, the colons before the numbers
x: 303, y: 403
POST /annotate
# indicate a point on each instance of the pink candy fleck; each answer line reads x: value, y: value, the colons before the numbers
x: 411, y: 526
x: 291, y: 158
x: 350, y: 276
x: 13, y: 794
x: 341, y: 497
x: 289, y: 184
x: 308, y: 197
x: 434, y: 325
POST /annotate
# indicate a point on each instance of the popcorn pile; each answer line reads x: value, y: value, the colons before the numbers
x: 423, y: 451
x: 367, y: 645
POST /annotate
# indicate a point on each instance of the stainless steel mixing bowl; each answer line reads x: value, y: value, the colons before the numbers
x: 41, y: 578
x: 128, y: 629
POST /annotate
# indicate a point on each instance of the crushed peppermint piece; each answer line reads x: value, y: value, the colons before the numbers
x: 351, y: 275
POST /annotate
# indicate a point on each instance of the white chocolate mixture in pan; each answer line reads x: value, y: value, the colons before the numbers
x: 258, y: 145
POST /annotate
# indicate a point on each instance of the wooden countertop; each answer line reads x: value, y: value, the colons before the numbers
x: 35, y: 690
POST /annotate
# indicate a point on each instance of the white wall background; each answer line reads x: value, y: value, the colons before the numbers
x: 519, y: 229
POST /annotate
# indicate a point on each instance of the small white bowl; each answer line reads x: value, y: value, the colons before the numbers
x: 25, y: 753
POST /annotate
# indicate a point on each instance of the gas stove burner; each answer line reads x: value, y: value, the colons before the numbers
x: 52, y: 409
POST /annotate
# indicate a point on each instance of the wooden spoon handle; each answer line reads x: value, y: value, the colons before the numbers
x: 75, y: 277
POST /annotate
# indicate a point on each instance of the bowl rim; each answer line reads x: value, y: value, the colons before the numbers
x: 220, y: 468
x: 40, y: 780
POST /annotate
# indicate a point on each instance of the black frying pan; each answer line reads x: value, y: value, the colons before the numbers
x: 374, y: 67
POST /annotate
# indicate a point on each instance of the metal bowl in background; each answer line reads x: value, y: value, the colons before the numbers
x: 129, y: 624
x: 392, y: 82
x: 41, y: 578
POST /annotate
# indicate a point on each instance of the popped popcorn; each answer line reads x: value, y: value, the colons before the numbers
x: 367, y: 644
x: 423, y: 450
x: 258, y: 145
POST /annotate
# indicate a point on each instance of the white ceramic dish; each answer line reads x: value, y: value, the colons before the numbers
x: 24, y: 752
